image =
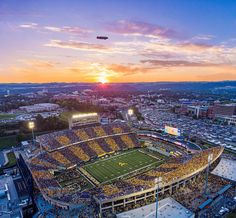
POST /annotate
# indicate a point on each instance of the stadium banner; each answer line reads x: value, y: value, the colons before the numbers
x: 172, y: 131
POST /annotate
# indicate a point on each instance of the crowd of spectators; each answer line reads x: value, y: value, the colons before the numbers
x: 84, y: 151
x: 192, y: 195
x: 93, y: 142
x: 55, y: 140
x: 169, y: 148
x: 111, y: 142
x: 169, y: 171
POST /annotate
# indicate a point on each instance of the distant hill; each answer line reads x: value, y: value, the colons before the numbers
x: 229, y: 86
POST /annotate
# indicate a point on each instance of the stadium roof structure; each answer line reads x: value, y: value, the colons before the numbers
x: 226, y: 169
x: 167, y: 207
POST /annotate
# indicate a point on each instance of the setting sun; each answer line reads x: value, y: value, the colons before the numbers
x: 103, y: 78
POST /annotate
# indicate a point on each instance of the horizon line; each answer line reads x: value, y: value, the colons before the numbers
x: 110, y: 83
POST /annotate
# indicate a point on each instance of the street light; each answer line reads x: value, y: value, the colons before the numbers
x: 157, y: 182
x: 209, y: 159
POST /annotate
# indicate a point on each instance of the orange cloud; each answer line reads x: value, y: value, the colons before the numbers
x: 128, y: 69
x: 87, y: 72
x: 40, y: 63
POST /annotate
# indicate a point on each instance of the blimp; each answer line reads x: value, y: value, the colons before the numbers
x: 102, y: 37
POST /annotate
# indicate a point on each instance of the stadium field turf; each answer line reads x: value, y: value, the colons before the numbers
x: 120, y: 165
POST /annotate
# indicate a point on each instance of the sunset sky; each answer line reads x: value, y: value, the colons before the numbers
x: 149, y: 40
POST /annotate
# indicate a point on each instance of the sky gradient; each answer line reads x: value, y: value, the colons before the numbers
x: 149, y: 40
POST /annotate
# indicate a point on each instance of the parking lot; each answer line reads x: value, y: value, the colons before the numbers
x: 204, y: 129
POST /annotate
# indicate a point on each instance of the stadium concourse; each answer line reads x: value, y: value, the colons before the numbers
x: 67, y: 168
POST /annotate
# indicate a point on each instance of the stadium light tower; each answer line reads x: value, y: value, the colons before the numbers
x: 31, y: 126
x: 130, y: 112
x: 157, y: 182
x: 210, y: 158
x: 128, y: 115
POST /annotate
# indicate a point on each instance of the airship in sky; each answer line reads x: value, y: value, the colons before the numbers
x: 102, y: 37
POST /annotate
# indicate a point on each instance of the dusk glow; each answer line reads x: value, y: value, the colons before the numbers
x: 147, y: 41
x: 117, y: 108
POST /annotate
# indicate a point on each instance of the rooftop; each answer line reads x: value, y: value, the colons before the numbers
x: 226, y: 169
x: 167, y: 207
x: 9, y: 196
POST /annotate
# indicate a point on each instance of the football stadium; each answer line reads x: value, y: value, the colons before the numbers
x: 112, y: 166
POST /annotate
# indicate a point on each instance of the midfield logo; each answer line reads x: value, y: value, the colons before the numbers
x: 122, y: 164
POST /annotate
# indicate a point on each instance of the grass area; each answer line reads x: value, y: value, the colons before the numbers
x: 120, y: 165
x: 7, y: 116
x: 12, y: 160
x: 7, y: 142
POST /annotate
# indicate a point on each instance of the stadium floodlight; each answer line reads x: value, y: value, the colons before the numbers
x: 130, y: 112
x: 84, y: 115
x: 157, y: 182
x: 209, y: 159
x: 31, y: 126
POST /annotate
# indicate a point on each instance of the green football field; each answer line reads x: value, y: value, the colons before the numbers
x: 120, y: 165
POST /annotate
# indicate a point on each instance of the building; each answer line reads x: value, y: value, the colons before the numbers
x: 197, y: 111
x: 66, y: 97
x: 40, y: 107
x: 167, y: 207
x: 224, y: 109
x: 100, y: 101
x: 192, y: 110
x: 230, y: 120
x: 15, y: 200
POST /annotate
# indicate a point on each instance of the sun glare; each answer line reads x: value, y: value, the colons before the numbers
x: 103, y: 78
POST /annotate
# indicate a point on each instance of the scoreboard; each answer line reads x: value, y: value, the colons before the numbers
x: 172, y: 131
